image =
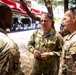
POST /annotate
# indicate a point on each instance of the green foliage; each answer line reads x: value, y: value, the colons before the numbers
x: 72, y: 3
x: 57, y: 2
x: 53, y: 2
x: 41, y: 1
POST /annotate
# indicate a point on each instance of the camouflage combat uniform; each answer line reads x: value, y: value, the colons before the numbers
x: 49, y: 42
x: 69, y: 67
x: 9, y: 56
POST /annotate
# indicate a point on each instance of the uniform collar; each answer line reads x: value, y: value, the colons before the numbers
x: 51, y: 32
x: 70, y: 35
x: 1, y: 30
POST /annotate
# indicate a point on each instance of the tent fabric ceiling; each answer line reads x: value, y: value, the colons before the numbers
x: 17, y: 8
x: 18, y: 12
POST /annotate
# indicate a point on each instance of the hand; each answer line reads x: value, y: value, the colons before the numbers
x: 45, y: 55
x: 37, y: 53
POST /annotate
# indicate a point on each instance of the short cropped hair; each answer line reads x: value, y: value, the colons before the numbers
x: 50, y: 16
x: 72, y: 11
x: 4, y: 9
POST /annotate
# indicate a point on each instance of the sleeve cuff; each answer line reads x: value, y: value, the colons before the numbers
x: 55, y: 53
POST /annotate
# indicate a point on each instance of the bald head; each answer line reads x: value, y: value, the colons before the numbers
x: 5, y: 16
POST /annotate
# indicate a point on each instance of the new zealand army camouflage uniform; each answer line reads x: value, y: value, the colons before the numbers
x: 9, y: 56
x: 69, y: 67
x: 49, y: 42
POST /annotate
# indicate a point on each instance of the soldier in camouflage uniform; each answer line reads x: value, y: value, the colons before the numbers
x: 69, y: 47
x: 9, y: 52
x: 46, y: 46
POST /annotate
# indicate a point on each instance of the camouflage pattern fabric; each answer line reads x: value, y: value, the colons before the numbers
x: 9, y: 56
x: 69, y: 67
x: 49, y: 42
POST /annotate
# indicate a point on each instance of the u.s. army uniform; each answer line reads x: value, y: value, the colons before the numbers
x: 69, y: 67
x: 49, y: 42
x: 9, y: 56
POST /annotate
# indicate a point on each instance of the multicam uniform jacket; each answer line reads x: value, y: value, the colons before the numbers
x: 9, y: 56
x: 69, y: 67
x: 49, y: 42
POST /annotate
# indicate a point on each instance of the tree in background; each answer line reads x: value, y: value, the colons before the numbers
x: 48, y: 4
x: 35, y: 17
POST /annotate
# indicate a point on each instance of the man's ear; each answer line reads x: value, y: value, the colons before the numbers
x: 74, y: 19
x: 5, y: 17
x: 51, y: 21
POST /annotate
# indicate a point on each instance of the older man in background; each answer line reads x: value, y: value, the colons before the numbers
x: 68, y: 61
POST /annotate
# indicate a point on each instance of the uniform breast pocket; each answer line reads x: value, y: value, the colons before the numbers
x: 51, y: 45
x: 37, y: 42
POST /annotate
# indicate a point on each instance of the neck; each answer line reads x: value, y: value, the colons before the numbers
x: 3, y: 27
x: 73, y: 29
x: 46, y: 31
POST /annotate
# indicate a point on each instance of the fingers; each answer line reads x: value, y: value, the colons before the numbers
x: 37, y: 53
x: 45, y: 56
